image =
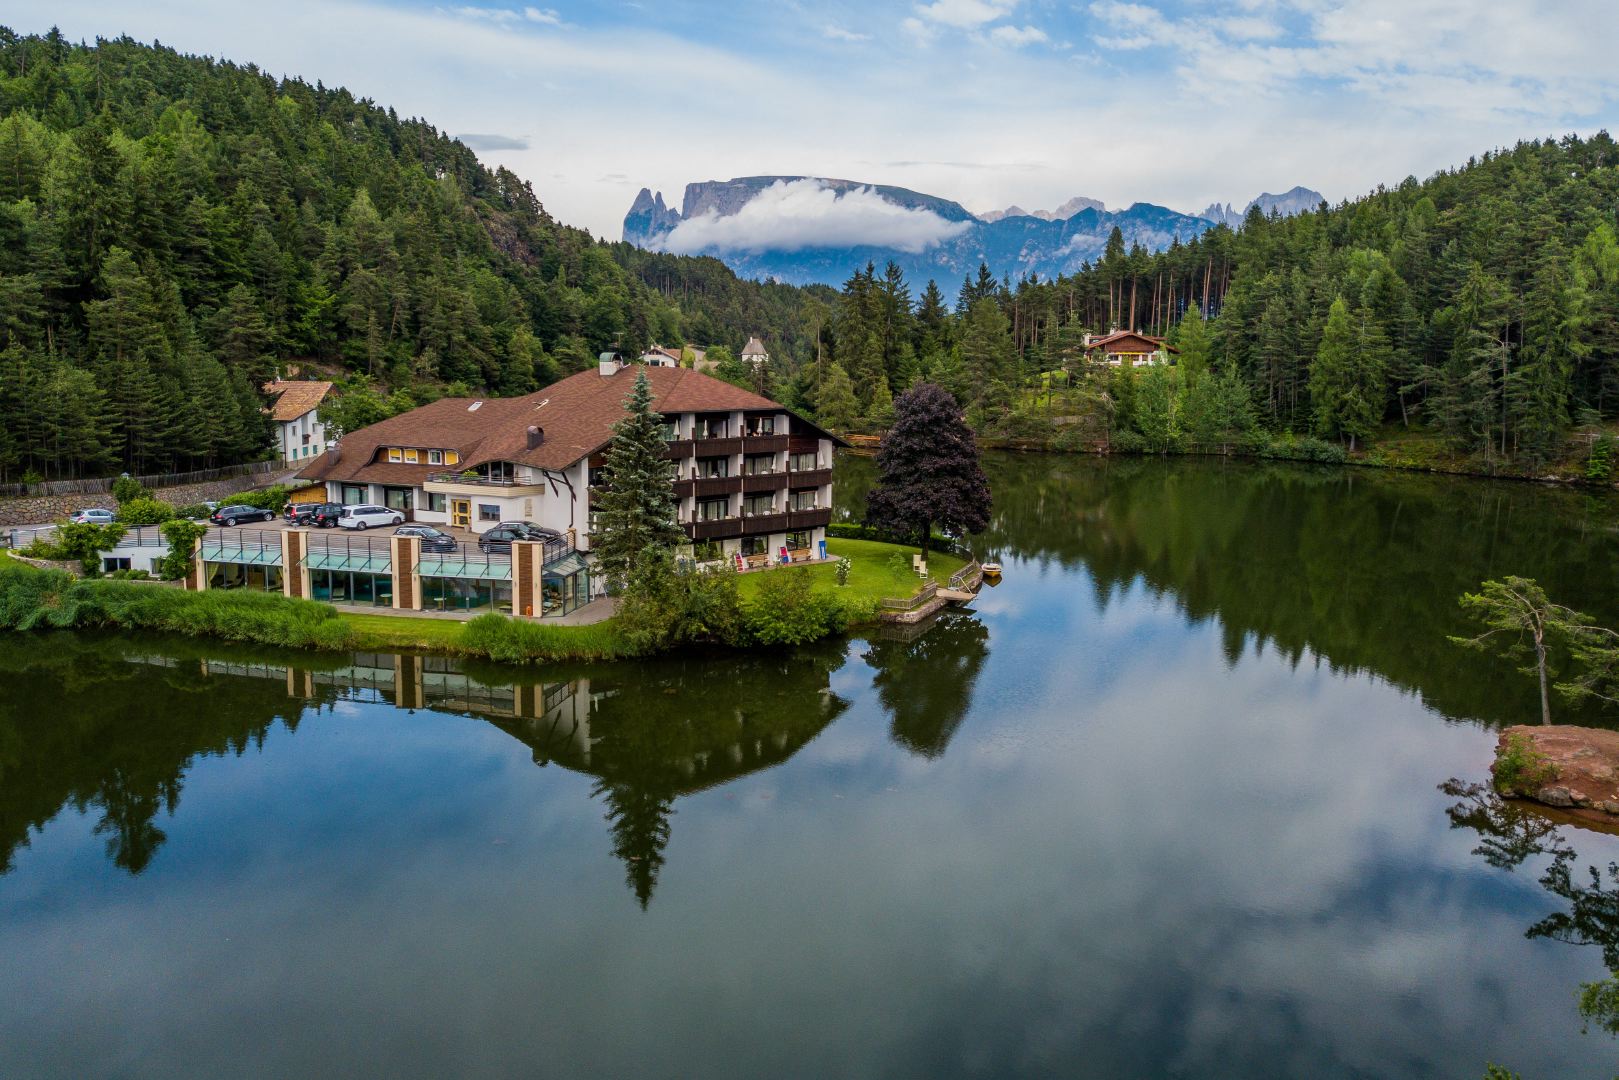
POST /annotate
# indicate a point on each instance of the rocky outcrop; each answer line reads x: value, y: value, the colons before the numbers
x: 1574, y: 768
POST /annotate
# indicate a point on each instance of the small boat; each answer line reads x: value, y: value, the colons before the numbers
x: 991, y: 569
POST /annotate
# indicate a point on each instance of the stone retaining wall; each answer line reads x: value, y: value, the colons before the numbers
x: 37, y: 509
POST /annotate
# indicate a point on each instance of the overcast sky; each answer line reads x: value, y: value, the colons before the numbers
x: 988, y: 102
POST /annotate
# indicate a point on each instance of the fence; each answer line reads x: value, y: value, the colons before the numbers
x: 967, y: 576
x: 104, y: 484
x: 926, y: 593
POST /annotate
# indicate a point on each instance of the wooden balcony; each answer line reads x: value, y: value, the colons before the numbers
x: 678, y: 449
x: 775, y: 481
x: 718, y: 529
x: 731, y: 444
x: 809, y: 478
x: 809, y: 519
x: 763, y: 524
x: 764, y: 444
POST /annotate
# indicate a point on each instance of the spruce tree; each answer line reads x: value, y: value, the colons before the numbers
x: 637, y: 508
x: 836, y: 404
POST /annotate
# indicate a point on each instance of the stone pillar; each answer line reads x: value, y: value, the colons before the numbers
x: 294, y: 574
x: 528, y: 592
x: 404, y: 554
x: 197, y: 577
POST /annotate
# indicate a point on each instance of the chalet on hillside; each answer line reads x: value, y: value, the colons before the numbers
x: 1126, y: 348
x: 299, y: 433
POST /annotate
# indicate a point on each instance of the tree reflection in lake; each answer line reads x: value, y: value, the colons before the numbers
x: 113, y: 724
x: 1512, y: 832
x: 925, y: 676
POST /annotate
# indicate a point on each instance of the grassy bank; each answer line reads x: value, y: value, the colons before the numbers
x: 39, y: 599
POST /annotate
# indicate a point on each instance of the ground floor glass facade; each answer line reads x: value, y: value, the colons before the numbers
x: 347, y: 587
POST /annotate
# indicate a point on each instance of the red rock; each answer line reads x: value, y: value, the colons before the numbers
x: 1584, y: 765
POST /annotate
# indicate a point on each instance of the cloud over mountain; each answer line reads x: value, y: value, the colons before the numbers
x: 799, y: 214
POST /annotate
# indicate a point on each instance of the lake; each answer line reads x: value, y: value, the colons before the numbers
x: 1166, y: 802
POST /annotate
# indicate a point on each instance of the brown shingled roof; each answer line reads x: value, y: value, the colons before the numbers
x: 295, y: 398
x: 576, y: 415
x: 1119, y: 336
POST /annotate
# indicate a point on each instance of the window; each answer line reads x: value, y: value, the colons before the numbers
x: 755, y: 545
x: 708, y: 551
x: 714, y: 467
x: 451, y: 457
x: 798, y: 541
x: 759, y: 504
x: 762, y: 425
x: 803, y: 500
x: 435, y: 457
x: 396, y: 498
x: 711, y: 427
x: 488, y: 512
x: 353, y: 493
x: 759, y: 464
x: 500, y: 470
x: 598, y: 474
x: 306, y: 438
x: 671, y: 430
x: 108, y: 565
x: 713, y: 509
x: 395, y: 454
x: 803, y: 462
x: 411, y: 457
x: 437, y: 502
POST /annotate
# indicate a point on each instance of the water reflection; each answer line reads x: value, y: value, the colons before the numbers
x: 1359, y: 567
x: 1511, y: 833
x: 925, y: 677
x: 112, y: 726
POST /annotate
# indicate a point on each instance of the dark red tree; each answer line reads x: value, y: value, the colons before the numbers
x: 928, y: 470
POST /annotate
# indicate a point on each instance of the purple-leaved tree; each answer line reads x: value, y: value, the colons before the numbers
x: 928, y: 470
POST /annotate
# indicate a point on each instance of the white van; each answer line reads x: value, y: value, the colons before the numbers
x: 363, y: 517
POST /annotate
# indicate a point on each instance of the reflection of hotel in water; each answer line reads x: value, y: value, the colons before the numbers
x: 582, y: 723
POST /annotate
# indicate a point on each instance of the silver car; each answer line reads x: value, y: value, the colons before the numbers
x: 96, y: 516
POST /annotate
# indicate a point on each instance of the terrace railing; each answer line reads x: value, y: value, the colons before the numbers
x: 251, y: 547
x: 345, y: 551
x: 142, y: 536
x: 923, y: 595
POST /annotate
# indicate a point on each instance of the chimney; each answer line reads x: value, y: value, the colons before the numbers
x: 536, y: 435
x: 333, y: 452
x: 608, y: 364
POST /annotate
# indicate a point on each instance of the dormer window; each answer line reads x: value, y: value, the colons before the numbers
x: 435, y: 457
x: 411, y: 457
x: 395, y: 454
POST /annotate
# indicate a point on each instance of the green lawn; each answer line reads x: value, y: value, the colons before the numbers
x: 870, y: 577
x: 403, y: 631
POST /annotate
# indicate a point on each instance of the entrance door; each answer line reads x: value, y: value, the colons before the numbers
x: 461, y: 513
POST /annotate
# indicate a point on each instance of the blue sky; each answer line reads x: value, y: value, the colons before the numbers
x: 988, y: 102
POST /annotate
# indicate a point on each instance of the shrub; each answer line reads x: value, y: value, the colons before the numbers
x: 33, y: 599
x: 786, y: 610
x: 192, y: 511
x: 519, y: 641
x: 182, y: 536
x: 85, y: 542
x: 144, y: 511
x: 1303, y: 448
x: 1599, y: 466
x: 1126, y: 441
x: 842, y: 567
x: 127, y: 489
x: 1520, y: 768
x: 130, y: 575
x: 271, y: 498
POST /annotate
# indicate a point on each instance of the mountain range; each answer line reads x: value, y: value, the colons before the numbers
x: 805, y: 229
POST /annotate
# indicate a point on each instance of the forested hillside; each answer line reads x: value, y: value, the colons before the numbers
x: 174, y: 229
x: 1481, y: 304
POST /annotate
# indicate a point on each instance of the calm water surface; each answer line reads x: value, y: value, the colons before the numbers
x: 1167, y: 803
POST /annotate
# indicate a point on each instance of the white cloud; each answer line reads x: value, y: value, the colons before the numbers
x: 791, y: 216
x: 546, y: 16
x: 965, y: 14
x: 838, y: 33
x: 506, y: 16
x: 1017, y: 36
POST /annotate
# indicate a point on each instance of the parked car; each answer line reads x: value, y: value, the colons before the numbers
x: 319, y: 515
x: 366, y: 515
x: 432, y: 539
x: 501, y: 536
x: 535, y: 532
x: 95, y: 516
x: 239, y: 514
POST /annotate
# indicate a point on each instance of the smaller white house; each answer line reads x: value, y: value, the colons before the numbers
x: 298, y: 431
x: 754, y: 352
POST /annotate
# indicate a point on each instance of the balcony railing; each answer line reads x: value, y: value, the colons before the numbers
x: 139, y: 536
x: 809, y: 519
x: 714, y: 529
x: 345, y: 551
x: 764, y: 481
x: 807, y: 478
x: 254, y: 547
x: 480, y: 480
x: 759, y: 524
